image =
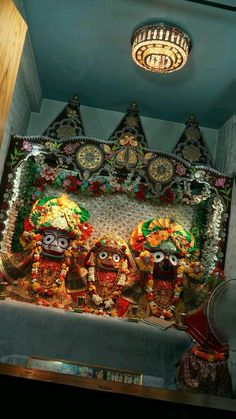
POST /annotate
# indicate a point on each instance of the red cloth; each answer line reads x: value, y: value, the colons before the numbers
x: 123, y: 306
x: 199, y: 330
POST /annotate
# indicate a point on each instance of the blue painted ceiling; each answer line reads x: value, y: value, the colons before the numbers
x: 83, y: 47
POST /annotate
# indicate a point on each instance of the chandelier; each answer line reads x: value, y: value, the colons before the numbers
x: 161, y: 48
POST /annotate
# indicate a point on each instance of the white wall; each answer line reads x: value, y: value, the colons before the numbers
x: 100, y: 123
x: 20, y: 111
x: 226, y: 147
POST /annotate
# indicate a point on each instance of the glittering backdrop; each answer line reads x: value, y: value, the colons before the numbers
x: 120, y: 214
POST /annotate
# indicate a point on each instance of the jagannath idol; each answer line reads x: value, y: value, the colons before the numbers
x: 160, y: 243
x: 111, y: 268
x: 54, y: 243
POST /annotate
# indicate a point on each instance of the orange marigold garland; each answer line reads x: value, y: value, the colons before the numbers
x: 210, y: 356
x: 155, y: 310
x: 58, y: 285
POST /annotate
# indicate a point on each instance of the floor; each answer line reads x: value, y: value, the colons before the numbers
x: 46, y: 397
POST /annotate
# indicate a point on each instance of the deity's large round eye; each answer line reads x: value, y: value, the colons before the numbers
x: 158, y: 257
x: 102, y: 255
x: 173, y: 260
x: 63, y: 242
x: 116, y: 257
x: 48, y: 238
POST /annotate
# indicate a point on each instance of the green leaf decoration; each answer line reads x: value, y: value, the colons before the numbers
x: 35, y: 217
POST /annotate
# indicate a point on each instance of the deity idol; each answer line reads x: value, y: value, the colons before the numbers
x: 160, y: 243
x: 110, y: 269
x: 53, y: 238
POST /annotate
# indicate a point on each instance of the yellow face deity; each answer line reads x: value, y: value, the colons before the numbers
x: 109, y: 258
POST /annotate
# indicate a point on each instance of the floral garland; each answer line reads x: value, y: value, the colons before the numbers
x: 58, y: 285
x: 186, y: 268
x: 208, y: 356
x: 110, y: 302
x: 155, y: 310
x: 190, y: 269
x: 145, y: 262
x: 132, y: 185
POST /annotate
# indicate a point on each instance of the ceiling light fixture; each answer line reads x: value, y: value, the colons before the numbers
x: 161, y: 48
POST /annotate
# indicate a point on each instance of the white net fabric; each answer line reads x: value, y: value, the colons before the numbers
x: 119, y: 214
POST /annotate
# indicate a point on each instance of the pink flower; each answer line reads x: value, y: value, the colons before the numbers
x: 180, y: 170
x: 70, y: 148
x: 70, y: 183
x: 66, y: 183
x: 26, y: 146
x: 220, y: 182
x: 49, y: 173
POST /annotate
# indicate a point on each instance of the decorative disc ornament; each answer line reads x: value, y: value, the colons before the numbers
x: 89, y: 157
x: 191, y: 153
x: 160, y: 170
x: 192, y: 133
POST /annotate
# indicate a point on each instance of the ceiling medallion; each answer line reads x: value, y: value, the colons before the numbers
x: 161, y: 170
x: 89, y: 157
x: 161, y: 48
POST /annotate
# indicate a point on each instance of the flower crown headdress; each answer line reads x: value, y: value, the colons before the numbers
x: 112, y: 242
x: 57, y: 213
x: 162, y: 233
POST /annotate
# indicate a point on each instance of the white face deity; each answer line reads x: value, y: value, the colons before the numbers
x: 55, y: 242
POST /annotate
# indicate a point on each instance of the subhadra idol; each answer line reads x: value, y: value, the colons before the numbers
x: 111, y: 269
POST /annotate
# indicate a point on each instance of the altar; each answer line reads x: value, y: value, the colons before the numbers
x: 154, y: 245
x: 28, y: 330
